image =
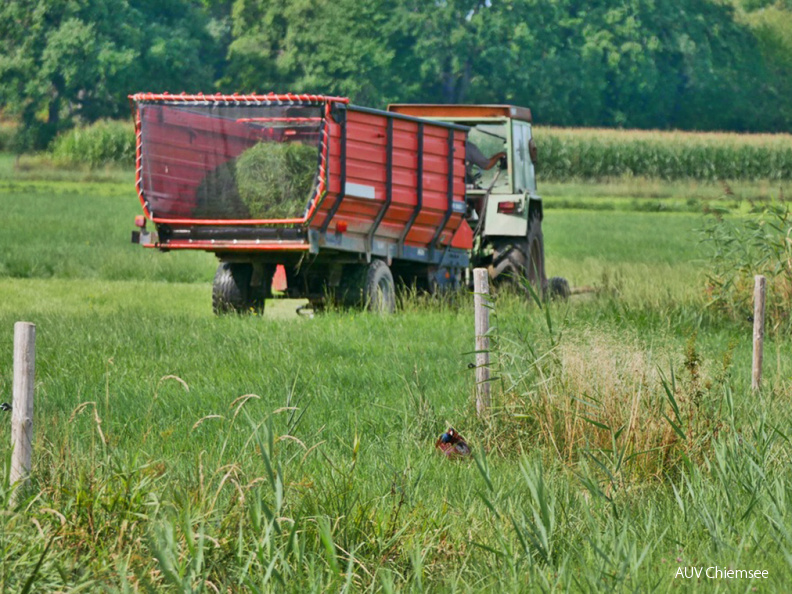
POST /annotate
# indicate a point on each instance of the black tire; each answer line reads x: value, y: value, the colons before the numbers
x: 558, y: 288
x: 535, y: 271
x: 232, y: 291
x: 379, y: 291
x: 351, y: 290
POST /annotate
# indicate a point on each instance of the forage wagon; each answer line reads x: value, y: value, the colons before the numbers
x: 349, y: 201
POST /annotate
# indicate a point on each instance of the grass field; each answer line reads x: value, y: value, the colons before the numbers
x: 180, y: 452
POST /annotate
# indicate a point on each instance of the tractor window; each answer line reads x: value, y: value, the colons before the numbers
x: 486, y: 155
x: 522, y: 165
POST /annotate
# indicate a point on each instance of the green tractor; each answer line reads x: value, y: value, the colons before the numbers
x: 504, y: 208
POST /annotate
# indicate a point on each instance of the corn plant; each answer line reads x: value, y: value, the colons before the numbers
x: 596, y: 154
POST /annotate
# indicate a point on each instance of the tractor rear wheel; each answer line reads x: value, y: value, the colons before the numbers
x: 232, y: 291
x: 515, y: 259
x: 536, y: 259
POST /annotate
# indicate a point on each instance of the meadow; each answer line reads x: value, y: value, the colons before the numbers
x: 176, y: 451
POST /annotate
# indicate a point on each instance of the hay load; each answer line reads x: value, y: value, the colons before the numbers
x: 218, y: 197
x: 275, y: 179
x: 270, y: 180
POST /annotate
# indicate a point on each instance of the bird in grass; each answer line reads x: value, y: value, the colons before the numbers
x: 452, y: 444
x: 5, y: 407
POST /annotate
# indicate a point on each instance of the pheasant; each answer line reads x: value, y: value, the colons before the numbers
x: 452, y: 444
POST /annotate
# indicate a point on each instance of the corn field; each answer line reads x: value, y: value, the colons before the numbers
x: 598, y: 153
x: 565, y: 154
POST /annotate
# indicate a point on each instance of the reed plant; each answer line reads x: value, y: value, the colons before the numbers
x: 738, y: 248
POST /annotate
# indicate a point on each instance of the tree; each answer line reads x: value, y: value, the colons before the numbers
x: 699, y: 64
x: 337, y: 47
x: 771, y: 23
x: 636, y: 63
x: 449, y: 40
x: 64, y: 61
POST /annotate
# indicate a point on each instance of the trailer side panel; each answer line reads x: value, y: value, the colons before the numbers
x: 395, y: 172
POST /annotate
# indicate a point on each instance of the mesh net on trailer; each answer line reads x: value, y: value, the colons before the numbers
x: 229, y: 161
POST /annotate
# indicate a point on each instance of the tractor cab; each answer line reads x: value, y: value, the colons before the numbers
x: 500, y: 152
x: 500, y: 158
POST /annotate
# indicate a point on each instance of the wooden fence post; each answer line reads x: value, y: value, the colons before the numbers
x: 482, y: 311
x: 758, y: 331
x: 22, y: 404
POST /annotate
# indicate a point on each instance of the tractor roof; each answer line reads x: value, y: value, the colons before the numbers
x: 451, y: 112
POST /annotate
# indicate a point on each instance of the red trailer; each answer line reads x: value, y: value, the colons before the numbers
x: 349, y: 200
x: 387, y: 198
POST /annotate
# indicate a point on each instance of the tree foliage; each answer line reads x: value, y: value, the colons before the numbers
x: 771, y: 23
x: 637, y: 63
x: 694, y: 64
x: 337, y: 47
x: 63, y: 61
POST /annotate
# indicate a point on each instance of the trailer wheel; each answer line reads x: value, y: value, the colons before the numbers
x: 350, y: 291
x: 379, y: 290
x: 232, y: 291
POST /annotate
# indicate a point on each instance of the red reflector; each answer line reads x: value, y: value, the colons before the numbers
x: 140, y: 221
x: 342, y: 226
x: 508, y: 207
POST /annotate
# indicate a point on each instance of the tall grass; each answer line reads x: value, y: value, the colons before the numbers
x: 299, y: 456
x: 597, y: 154
x: 640, y: 411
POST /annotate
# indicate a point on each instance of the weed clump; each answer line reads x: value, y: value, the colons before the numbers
x: 590, y: 397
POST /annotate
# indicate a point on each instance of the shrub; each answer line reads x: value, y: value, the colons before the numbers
x: 106, y: 142
x: 7, y: 135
